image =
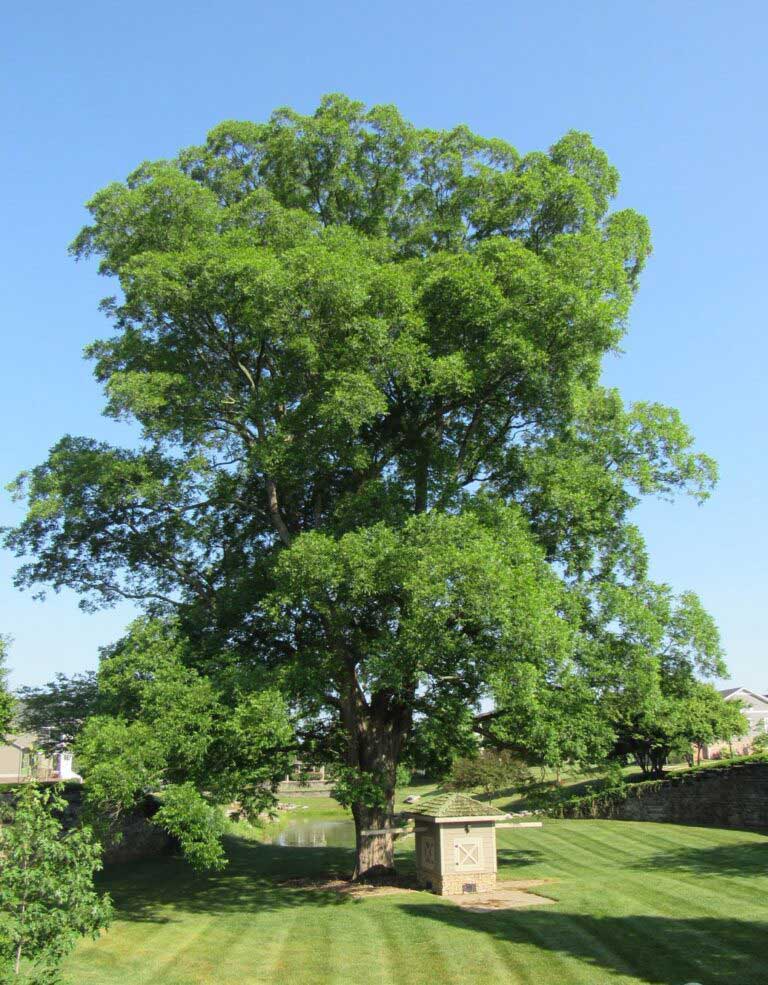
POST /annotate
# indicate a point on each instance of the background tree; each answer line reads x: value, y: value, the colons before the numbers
x: 47, y: 898
x: 57, y: 711
x: 7, y: 703
x: 709, y: 718
x: 652, y: 649
x: 490, y: 770
x: 552, y: 720
x: 375, y: 452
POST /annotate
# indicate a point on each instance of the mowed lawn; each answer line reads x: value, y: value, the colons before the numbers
x: 651, y: 903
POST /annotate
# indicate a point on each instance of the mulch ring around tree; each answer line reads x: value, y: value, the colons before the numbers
x: 512, y: 895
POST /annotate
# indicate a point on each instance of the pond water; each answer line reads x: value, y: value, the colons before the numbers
x: 298, y: 833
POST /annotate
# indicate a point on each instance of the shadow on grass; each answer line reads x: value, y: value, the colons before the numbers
x: 655, y: 950
x: 518, y: 856
x: 731, y: 860
x: 153, y: 889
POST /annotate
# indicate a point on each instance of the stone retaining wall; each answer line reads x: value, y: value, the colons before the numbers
x: 734, y: 796
x: 308, y: 788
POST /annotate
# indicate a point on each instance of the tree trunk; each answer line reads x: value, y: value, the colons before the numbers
x: 658, y: 759
x: 376, y: 729
x: 642, y: 759
x: 374, y: 842
x: 378, y: 751
x: 376, y: 725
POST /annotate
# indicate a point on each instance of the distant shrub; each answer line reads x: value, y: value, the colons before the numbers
x: 490, y: 771
x: 551, y: 798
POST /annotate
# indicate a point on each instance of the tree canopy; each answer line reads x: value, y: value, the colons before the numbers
x: 56, y: 711
x: 376, y: 455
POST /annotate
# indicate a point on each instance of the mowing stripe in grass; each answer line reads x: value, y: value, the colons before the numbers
x: 434, y: 956
x: 172, y: 963
x: 593, y: 842
x: 499, y: 962
x: 624, y: 909
x: 694, y: 890
x: 467, y: 955
x: 567, y: 849
x: 276, y: 955
x: 366, y: 946
x: 554, y: 944
x: 639, y: 903
x: 407, y: 949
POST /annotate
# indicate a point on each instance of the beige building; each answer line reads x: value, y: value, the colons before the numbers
x: 755, y: 710
x: 456, y: 844
x: 19, y: 760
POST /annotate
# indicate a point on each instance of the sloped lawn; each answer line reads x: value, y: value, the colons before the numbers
x: 648, y: 903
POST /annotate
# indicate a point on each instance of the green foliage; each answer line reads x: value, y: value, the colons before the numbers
x: 440, y: 737
x: 403, y: 775
x: 254, y: 748
x: 197, y: 825
x: 648, y: 651
x: 7, y: 703
x: 633, y: 688
x: 489, y: 770
x: 549, y: 714
x: 482, y: 563
x: 375, y: 455
x: 47, y: 899
x: 551, y: 797
x: 707, y: 717
x: 57, y: 711
x: 760, y: 743
x: 352, y: 786
x: 162, y: 726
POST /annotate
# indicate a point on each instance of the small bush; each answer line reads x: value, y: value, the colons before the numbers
x: 490, y: 771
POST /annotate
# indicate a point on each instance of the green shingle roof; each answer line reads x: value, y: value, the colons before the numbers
x: 455, y: 805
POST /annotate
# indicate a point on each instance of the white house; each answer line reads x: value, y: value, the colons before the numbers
x: 755, y: 710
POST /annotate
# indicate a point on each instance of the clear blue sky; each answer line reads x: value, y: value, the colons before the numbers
x: 675, y: 92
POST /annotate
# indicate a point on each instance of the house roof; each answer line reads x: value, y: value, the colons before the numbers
x: 456, y: 805
x: 24, y: 740
x: 729, y: 692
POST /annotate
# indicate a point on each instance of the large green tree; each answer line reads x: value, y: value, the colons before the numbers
x: 375, y: 453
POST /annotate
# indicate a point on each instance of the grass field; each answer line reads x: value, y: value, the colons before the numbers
x: 648, y: 903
